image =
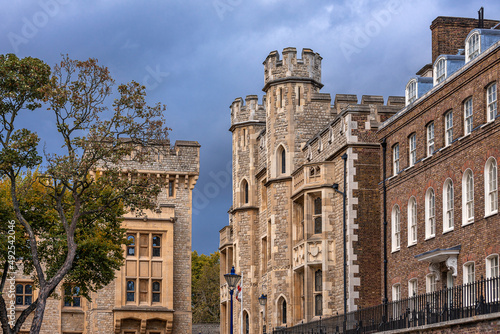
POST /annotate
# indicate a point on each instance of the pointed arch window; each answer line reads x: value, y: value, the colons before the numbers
x: 244, y: 192
x: 281, y: 157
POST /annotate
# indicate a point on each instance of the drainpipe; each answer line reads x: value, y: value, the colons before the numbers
x: 384, y: 170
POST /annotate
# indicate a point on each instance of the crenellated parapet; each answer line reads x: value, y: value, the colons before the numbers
x: 248, y: 110
x: 289, y: 68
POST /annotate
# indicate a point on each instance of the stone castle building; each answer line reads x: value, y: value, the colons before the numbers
x: 421, y: 186
x: 441, y: 153
x: 151, y: 294
x: 286, y: 223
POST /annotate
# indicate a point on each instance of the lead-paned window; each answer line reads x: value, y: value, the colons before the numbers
x: 318, y: 224
x: 24, y: 294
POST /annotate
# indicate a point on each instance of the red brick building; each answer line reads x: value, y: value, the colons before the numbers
x: 440, y: 160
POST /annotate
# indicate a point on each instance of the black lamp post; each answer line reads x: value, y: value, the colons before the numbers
x: 344, y: 195
x: 232, y: 279
x: 263, y: 301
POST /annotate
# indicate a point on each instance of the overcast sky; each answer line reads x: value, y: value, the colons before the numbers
x: 198, y: 56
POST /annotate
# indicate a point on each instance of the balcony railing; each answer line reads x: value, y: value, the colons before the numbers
x: 465, y: 301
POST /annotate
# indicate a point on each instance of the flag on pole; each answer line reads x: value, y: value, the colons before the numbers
x: 238, y: 293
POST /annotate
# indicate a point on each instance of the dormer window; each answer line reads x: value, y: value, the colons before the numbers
x: 411, y: 91
x: 440, y: 71
x: 473, y: 46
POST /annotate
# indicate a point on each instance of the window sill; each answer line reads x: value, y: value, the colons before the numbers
x: 464, y: 136
x: 448, y: 231
x: 412, y: 244
x: 468, y: 223
x: 494, y: 213
x: 395, y: 250
x: 69, y: 309
x: 430, y: 237
x: 427, y: 157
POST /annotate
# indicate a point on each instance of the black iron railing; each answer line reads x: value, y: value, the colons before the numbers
x: 480, y: 297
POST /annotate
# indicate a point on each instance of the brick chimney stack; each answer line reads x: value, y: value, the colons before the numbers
x: 449, y: 33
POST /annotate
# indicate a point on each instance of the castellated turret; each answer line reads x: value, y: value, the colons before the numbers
x: 289, y: 67
x: 248, y: 110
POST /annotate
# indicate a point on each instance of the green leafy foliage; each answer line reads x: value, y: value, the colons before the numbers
x: 205, y: 287
x: 67, y: 212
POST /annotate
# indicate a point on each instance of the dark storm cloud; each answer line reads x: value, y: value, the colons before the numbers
x: 198, y: 56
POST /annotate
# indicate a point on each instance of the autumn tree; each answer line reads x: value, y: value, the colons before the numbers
x: 66, y: 214
x: 205, y: 287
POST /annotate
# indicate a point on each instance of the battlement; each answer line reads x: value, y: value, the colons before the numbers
x: 343, y: 101
x: 308, y: 67
x: 182, y: 158
x: 248, y: 110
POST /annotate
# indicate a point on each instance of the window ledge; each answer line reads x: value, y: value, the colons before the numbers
x: 430, y: 237
x: 412, y: 244
x: 468, y: 223
x: 68, y: 309
x: 395, y: 250
x: 494, y: 213
x: 464, y: 136
x: 448, y: 231
x: 427, y: 157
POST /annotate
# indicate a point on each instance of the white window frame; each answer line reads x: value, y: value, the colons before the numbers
x: 411, y: 91
x: 473, y: 46
x: 448, y: 123
x: 468, y: 116
x: 430, y: 139
x: 469, y: 277
x: 440, y: 70
x: 396, y: 228
x: 492, y: 266
x: 491, y: 186
x: 412, y: 288
x: 448, y: 206
x: 412, y: 221
x: 468, y: 198
x: 430, y: 283
x: 396, y: 292
x: 412, y: 143
x: 396, y: 298
x: 491, y: 101
x: 430, y: 214
x: 395, y: 159
x: 492, y: 271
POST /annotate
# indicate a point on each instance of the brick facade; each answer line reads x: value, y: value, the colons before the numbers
x: 443, y: 255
